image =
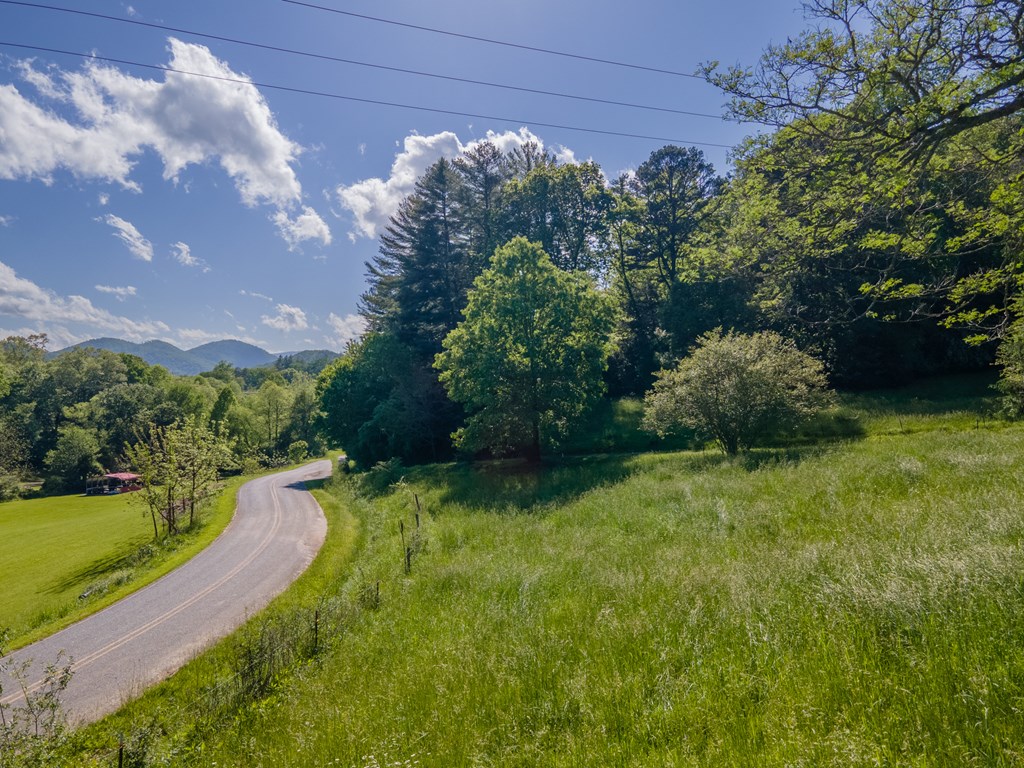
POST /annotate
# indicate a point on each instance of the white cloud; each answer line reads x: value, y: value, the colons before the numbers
x: 344, y: 330
x: 255, y: 295
x: 306, y: 226
x: 373, y: 201
x: 186, y: 120
x: 104, y: 198
x: 24, y: 299
x: 127, y: 233
x: 120, y: 291
x: 6, y: 221
x: 287, y: 319
x: 182, y: 254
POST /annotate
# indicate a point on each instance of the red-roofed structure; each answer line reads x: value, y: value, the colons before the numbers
x: 115, y: 482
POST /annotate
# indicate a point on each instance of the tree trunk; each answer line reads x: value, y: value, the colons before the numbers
x: 533, y: 452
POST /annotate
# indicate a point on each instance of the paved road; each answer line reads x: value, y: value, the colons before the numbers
x: 119, y: 652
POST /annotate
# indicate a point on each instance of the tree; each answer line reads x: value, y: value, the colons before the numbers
x: 153, y: 457
x: 527, y: 360
x: 379, y: 402
x: 74, y: 457
x: 913, y: 111
x: 1011, y: 377
x: 178, y: 465
x: 894, y: 76
x: 419, y: 278
x: 737, y: 389
x: 197, y: 453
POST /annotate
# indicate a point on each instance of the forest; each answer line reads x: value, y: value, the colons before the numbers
x: 876, y: 225
x: 86, y: 411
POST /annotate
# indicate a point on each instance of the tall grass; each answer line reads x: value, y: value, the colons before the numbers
x: 856, y: 602
x: 861, y: 604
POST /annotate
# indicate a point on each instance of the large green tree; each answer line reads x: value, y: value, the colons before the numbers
x: 528, y: 358
x: 912, y: 114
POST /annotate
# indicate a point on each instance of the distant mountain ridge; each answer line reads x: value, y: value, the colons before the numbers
x: 189, y: 362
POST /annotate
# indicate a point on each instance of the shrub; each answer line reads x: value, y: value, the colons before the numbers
x: 738, y: 389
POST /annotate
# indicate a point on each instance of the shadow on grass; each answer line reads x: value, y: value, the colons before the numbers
x: 129, y: 555
x: 513, y: 486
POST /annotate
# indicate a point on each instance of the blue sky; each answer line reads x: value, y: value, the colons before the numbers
x: 144, y: 204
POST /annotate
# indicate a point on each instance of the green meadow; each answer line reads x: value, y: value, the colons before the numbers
x: 852, y: 600
x: 65, y: 557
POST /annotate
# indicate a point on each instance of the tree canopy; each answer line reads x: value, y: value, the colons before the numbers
x: 527, y: 360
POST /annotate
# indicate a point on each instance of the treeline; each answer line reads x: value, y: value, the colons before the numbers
x: 679, y: 248
x: 878, y: 227
x: 87, y: 411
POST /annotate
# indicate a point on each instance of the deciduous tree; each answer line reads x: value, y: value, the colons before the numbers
x: 528, y: 358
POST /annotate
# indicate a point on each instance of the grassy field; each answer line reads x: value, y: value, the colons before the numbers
x: 92, y: 536
x: 65, y: 557
x: 851, y: 602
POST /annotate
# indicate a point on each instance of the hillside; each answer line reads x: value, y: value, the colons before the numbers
x: 854, y: 602
x: 189, y: 362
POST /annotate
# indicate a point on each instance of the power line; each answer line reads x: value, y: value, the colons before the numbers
x: 340, y: 60
x: 495, y: 42
x: 324, y: 94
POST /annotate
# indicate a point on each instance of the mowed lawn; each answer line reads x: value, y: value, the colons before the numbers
x: 53, y: 549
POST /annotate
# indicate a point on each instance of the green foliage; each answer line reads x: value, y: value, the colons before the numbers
x: 380, y: 401
x: 298, y: 451
x: 528, y: 358
x: 738, y: 389
x: 897, y: 171
x: 1011, y: 375
x: 73, y: 459
x: 178, y: 465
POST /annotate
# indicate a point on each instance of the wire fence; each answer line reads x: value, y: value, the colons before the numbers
x: 256, y: 657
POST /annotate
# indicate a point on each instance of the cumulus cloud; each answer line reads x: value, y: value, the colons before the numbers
x: 287, y: 319
x: 373, y: 201
x: 344, y: 330
x: 126, y: 232
x: 119, y: 291
x: 183, y: 255
x: 306, y: 226
x: 185, y: 120
x: 24, y: 299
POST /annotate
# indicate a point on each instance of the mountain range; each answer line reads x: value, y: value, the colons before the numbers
x: 189, y: 362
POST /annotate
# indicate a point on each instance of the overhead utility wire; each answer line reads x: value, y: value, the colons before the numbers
x: 340, y: 60
x: 495, y: 42
x: 309, y: 92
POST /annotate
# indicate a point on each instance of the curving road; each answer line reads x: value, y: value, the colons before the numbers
x: 120, y: 651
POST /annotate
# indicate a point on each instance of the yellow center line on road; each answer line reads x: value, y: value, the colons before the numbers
x: 115, y: 644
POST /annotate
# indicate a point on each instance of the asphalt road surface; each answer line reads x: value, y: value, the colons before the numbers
x: 120, y: 651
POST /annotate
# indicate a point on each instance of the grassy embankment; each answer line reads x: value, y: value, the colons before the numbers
x: 854, y: 602
x: 63, y: 558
